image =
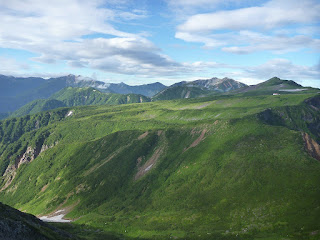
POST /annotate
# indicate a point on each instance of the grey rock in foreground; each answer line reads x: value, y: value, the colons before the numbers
x: 16, y: 225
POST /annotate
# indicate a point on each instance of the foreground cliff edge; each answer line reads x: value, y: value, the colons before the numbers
x: 17, y: 225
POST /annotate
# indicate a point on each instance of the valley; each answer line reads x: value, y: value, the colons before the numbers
x: 235, y: 165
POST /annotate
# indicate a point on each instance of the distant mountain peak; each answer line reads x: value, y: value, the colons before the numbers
x: 198, y: 88
x: 278, y: 81
x: 229, y: 84
x: 82, y: 78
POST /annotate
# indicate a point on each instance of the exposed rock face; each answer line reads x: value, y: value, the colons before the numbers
x: 314, y: 102
x: 9, y: 175
x: 28, y: 156
x: 15, y: 225
x: 222, y: 85
x: 151, y: 162
x: 312, y: 147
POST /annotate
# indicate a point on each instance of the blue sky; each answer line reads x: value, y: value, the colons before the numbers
x: 143, y: 41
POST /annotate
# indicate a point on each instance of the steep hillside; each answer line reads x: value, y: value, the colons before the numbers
x: 220, y: 167
x: 15, y: 225
x: 38, y: 106
x: 198, y: 88
x: 69, y: 97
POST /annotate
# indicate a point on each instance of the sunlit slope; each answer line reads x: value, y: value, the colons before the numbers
x: 216, y: 167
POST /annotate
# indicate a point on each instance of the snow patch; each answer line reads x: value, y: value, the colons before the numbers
x: 58, y: 218
x: 69, y: 113
x: 293, y: 90
x: 148, y: 168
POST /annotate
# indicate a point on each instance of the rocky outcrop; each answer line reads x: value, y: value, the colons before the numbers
x: 28, y: 156
x: 311, y: 146
x: 16, y: 225
x: 45, y: 147
x: 9, y: 175
x: 314, y: 102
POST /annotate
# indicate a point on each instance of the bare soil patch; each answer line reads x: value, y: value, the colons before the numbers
x: 312, y: 147
x: 150, y: 163
x: 198, y: 140
x: 142, y: 136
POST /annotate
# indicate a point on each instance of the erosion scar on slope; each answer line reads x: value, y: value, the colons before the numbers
x: 198, y: 140
x: 312, y: 147
x: 203, y: 105
x: 150, y: 163
x: 142, y: 136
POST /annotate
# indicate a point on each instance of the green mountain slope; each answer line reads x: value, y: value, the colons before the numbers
x: 38, y: 106
x: 69, y: 97
x: 221, y: 167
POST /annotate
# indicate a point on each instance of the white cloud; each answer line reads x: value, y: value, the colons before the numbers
x: 282, y: 68
x: 244, y: 42
x: 190, y: 6
x: 9, y: 65
x: 54, y: 30
x: 278, y: 44
x: 209, y: 41
x: 273, y: 14
x: 34, y: 21
x: 258, y: 28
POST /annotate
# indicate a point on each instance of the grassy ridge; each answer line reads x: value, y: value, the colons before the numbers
x: 219, y: 171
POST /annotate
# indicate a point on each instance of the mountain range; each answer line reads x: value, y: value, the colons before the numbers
x: 37, y: 94
x: 15, y: 92
x: 71, y: 97
x: 236, y: 163
x: 101, y: 94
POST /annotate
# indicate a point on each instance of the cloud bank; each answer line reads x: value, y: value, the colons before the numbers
x: 94, y: 35
x: 275, y: 26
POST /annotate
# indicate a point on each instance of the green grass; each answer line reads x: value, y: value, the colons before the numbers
x: 248, y: 178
